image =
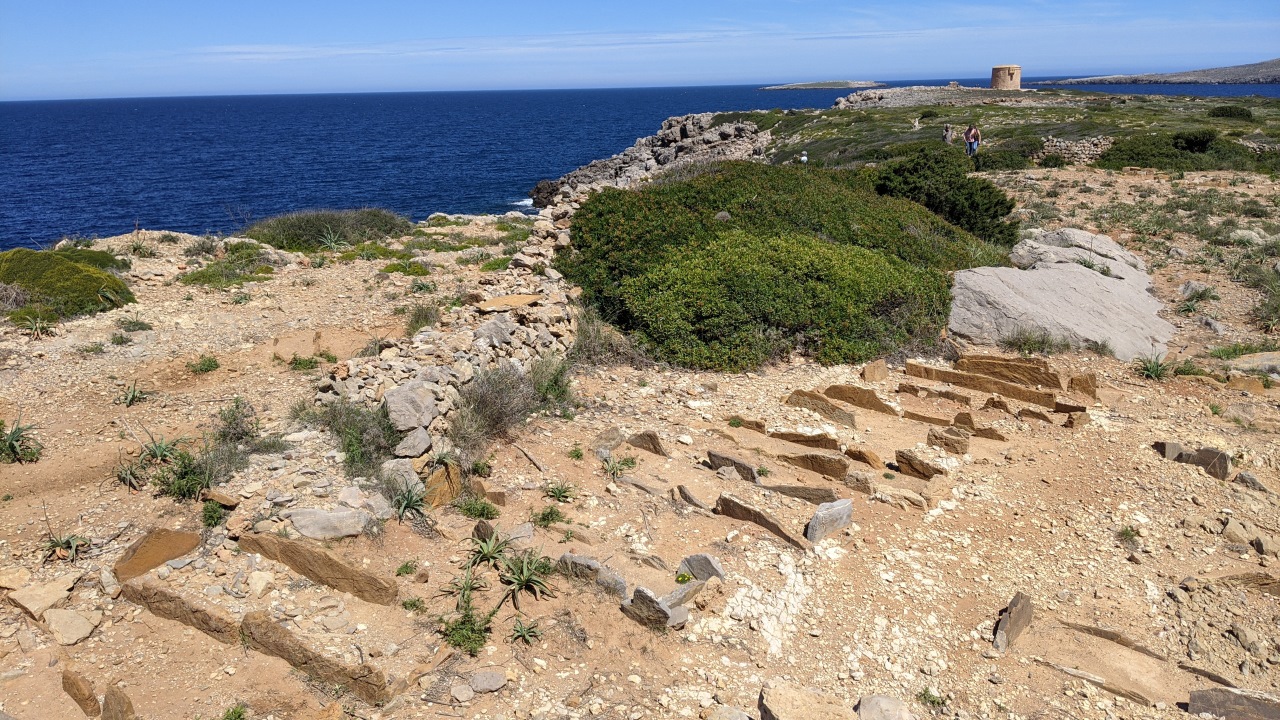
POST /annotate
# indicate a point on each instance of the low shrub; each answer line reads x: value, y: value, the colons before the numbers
x: 1000, y: 159
x: 241, y: 262
x: 476, y: 508
x: 745, y: 300
x: 100, y: 259
x: 1034, y: 341
x: 421, y: 316
x: 366, y: 436
x: 1199, y: 149
x: 497, y: 400
x: 18, y: 444
x: 205, y: 364
x: 1231, y: 112
x: 1053, y: 160
x: 313, y: 230
x: 57, y: 287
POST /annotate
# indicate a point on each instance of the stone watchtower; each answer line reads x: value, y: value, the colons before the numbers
x: 1006, y: 77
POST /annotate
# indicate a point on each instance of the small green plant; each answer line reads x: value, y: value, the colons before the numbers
x: 575, y: 453
x: 158, y: 450
x: 476, y: 508
x: 1098, y: 267
x: 683, y: 578
x: 212, y: 514
x: 1235, y: 350
x: 1215, y: 408
x: 547, y: 516
x: 18, y: 444
x: 735, y: 422
x: 141, y: 249
x: 560, y: 491
x: 64, y: 547
x: 133, y: 323
x: 1127, y: 534
x: 525, y: 633
x: 120, y: 339
x: 327, y: 356
x: 469, y: 631
x: 239, y: 711
x: 132, y: 396
x: 525, y: 571
x: 205, y: 364
x: 303, y: 363
x: 409, y: 499
x: 1032, y: 341
x: 929, y: 698
x: 1153, y: 367
x: 93, y: 348
x: 240, y: 298
x: 413, y: 604
x: 408, y: 567
x: 763, y: 471
x: 496, y: 264
x: 421, y: 316
x: 1101, y: 348
x: 1187, y: 367
x: 482, y: 468
x: 488, y: 551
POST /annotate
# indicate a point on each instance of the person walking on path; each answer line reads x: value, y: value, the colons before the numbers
x: 948, y: 134
x: 972, y: 139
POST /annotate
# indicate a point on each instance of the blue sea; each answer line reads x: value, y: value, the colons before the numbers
x: 85, y: 168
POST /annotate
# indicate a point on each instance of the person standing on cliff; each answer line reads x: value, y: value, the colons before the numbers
x: 972, y: 139
x: 948, y: 134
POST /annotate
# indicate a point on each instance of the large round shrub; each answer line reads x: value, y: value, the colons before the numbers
x: 620, y: 234
x: 743, y: 299
x: 936, y: 175
x: 1231, y: 112
x: 310, y: 229
x: 1198, y: 149
x: 59, y: 288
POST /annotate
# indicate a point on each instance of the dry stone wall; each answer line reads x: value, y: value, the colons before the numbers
x: 1076, y: 152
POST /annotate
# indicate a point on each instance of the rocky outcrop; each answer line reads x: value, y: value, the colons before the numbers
x: 1077, y: 286
x: 682, y: 141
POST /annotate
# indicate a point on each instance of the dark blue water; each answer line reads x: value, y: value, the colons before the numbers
x: 104, y: 167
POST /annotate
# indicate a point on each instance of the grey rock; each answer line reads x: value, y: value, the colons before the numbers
x: 1235, y: 532
x: 379, y: 507
x: 829, y: 518
x: 1251, y: 481
x: 487, y: 681
x: 417, y: 442
x: 1214, y: 461
x: 410, y: 406
x: 783, y: 701
x: 702, y: 567
x: 1191, y: 287
x: 683, y: 594
x: 883, y: 707
x: 952, y: 439
x: 110, y: 586
x: 521, y: 533
x: 1168, y: 450
x: 462, y: 693
x: 69, y: 627
x: 645, y: 608
x: 497, y: 331
x: 1014, y: 619
x: 400, y: 473
x: 606, y: 442
x: 648, y: 440
x: 326, y: 525
x: 1050, y: 290
x: 745, y: 470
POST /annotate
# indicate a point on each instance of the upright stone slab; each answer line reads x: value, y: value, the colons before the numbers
x: 162, y: 602
x: 1013, y: 620
x: 367, y: 683
x: 824, y: 407
x: 732, y: 507
x: 718, y: 460
x: 1234, y: 704
x: 81, y: 692
x: 649, y: 442
x: 829, y: 464
x: 829, y: 518
x: 645, y: 608
x: 702, y: 567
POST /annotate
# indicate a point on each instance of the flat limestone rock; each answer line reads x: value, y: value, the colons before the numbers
x: 865, y: 457
x: 647, y: 609
x: 69, y: 627
x: 36, y: 599
x: 815, y: 495
x: 328, y: 525
x: 824, y: 407
x: 813, y: 440
x: 1051, y: 290
x: 783, y: 701
x: 157, y: 547
x: 911, y: 462
x: 1023, y: 371
x: 875, y: 371
x: 883, y: 707
x: 507, y: 302
x: 321, y: 566
x: 952, y: 439
x: 982, y: 383
x: 411, y: 405
x: 117, y: 706
x: 14, y: 577
x: 648, y: 441
x: 718, y: 460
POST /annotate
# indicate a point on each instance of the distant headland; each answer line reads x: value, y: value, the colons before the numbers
x: 1266, y: 72
x: 828, y: 85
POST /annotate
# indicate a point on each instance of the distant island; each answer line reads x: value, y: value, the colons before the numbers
x: 828, y: 85
x: 1266, y: 72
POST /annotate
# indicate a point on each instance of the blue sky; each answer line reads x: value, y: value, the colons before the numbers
x: 64, y: 49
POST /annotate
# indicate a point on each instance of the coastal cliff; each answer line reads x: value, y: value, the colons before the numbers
x: 1262, y: 73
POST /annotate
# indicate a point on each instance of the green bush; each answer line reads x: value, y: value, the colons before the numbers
x: 746, y: 299
x: 1231, y: 112
x: 1000, y: 159
x: 1200, y: 149
x: 57, y: 287
x: 1053, y: 160
x: 621, y: 234
x: 936, y: 176
x: 95, y: 258
x: 322, y: 229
